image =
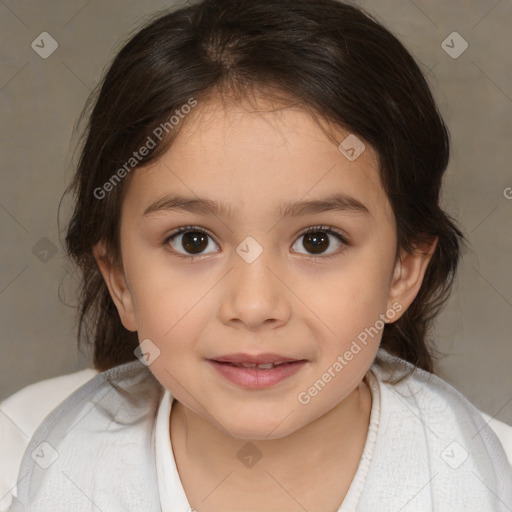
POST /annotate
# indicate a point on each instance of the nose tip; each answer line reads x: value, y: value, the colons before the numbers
x: 255, y: 296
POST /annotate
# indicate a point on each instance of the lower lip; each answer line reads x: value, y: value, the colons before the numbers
x: 256, y: 378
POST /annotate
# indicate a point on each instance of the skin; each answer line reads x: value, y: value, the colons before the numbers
x: 215, y: 303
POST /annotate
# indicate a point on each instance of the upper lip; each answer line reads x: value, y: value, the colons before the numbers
x: 257, y: 359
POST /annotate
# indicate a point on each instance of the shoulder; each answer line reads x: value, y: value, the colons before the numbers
x: 21, y: 414
x: 439, y: 407
x: 435, y: 400
x: 31, y: 404
x: 503, y: 431
x: 430, y: 432
x: 121, y: 394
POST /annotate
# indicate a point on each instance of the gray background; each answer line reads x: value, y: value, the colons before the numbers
x: 41, y: 99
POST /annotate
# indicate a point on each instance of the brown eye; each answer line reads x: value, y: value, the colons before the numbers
x: 316, y: 243
x: 194, y: 242
x: 317, y: 240
x: 189, y: 241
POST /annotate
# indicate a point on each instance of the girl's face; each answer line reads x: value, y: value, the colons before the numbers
x: 246, y: 278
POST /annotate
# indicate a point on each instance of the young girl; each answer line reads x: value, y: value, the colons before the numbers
x: 258, y: 227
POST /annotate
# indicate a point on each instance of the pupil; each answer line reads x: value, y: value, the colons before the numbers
x: 316, y: 240
x: 193, y: 240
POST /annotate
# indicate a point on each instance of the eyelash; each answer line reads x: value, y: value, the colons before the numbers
x: 313, y: 229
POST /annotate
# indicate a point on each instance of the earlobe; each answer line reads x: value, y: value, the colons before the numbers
x: 115, y: 280
x: 408, y: 276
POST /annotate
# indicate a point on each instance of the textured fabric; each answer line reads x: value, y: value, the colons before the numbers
x: 95, y: 451
x: 432, y: 450
x: 21, y: 414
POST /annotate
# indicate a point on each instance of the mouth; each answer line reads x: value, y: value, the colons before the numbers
x: 257, y: 375
x: 261, y: 366
x: 245, y: 360
x: 256, y: 371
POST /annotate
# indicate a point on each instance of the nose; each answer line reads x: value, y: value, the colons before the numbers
x: 255, y: 295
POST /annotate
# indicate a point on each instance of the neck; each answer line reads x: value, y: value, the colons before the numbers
x: 334, y: 442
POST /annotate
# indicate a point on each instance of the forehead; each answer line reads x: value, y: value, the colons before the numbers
x: 260, y: 160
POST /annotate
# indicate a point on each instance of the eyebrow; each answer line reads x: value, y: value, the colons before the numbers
x: 335, y: 202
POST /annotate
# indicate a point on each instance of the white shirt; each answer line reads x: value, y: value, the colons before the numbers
x: 21, y: 414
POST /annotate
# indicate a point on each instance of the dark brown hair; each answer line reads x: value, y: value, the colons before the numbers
x: 332, y: 58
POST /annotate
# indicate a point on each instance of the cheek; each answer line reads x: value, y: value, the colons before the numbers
x: 353, y: 297
x: 162, y: 294
x: 169, y: 308
x: 170, y: 317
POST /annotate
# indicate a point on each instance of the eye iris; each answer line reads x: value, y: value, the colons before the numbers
x: 194, y: 241
x: 316, y: 240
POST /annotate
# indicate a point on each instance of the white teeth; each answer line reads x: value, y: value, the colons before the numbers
x: 262, y: 366
x: 266, y: 366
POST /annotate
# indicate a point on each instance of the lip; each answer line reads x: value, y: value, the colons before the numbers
x: 257, y: 378
x: 262, y: 358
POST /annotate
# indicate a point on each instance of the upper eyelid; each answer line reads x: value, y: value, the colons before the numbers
x: 182, y: 229
x: 323, y: 227
x: 186, y: 229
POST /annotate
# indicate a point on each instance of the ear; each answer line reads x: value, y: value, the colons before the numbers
x: 117, y: 286
x: 408, y: 276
